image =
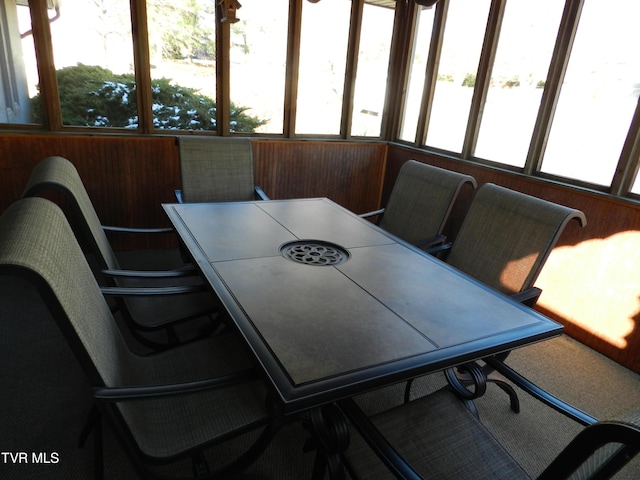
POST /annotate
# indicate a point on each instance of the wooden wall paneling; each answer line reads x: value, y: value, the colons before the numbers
x: 127, y: 178
x: 346, y: 172
x: 590, y: 282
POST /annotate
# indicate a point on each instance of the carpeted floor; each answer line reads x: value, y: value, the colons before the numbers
x: 44, y: 400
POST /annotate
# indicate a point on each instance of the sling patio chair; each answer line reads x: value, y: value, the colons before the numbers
x: 185, y: 304
x: 420, y: 203
x: 504, y: 242
x: 216, y: 169
x: 166, y: 407
x: 506, y: 238
x: 436, y: 436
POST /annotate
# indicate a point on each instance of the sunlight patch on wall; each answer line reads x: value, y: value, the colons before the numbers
x: 596, y: 286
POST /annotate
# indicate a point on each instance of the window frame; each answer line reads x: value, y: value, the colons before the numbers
x: 405, y: 17
x: 628, y: 165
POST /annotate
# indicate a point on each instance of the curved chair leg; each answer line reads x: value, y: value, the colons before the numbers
x: 407, y: 390
x: 98, y: 455
x: 465, y: 378
x: 92, y: 418
x: 494, y: 377
x: 509, y: 390
x: 199, y: 465
x: 94, y: 424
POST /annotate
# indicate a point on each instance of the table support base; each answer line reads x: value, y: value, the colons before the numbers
x: 331, y: 435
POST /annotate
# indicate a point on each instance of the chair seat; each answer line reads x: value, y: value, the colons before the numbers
x: 154, y: 312
x: 439, y: 438
x: 166, y: 427
x: 154, y: 316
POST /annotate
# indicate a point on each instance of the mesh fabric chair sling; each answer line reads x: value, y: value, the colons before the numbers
x: 165, y: 292
x: 506, y: 238
x: 420, y: 203
x: 437, y: 437
x: 215, y: 169
x: 164, y: 407
x: 504, y: 241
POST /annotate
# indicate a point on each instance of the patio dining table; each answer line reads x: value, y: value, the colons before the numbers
x: 332, y: 306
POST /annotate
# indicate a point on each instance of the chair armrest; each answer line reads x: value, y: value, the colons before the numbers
x: 540, y: 394
x: 260, y: 195
x: 372, y: 214
x: 150, y: 291
x: 378, y: 443
x: 528, y: 297
x: 186, y: 271
x: 430, y: 243
x: 111, y: 228
x: 586, y: 449
x: 144, y: 392
x: 439, y: 248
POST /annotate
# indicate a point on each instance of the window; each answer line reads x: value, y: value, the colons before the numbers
x: 462, y: 43
x: 416, y: 80
x: 635, y: 188
x: 323, y: 54
x: 258, y: 62
x: 527, y: 38
x: 599, y: 94
x: 18, y: 70
x: 373, y: 64
x: 596, y: 101
x: 93, y: 52
x: 588, y: 114
x: 182, y: 47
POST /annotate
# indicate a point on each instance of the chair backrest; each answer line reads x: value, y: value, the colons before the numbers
x: 507, y: 236
x: 216, y: 169
x: 421, y: 201
x: 37, y: 243
x: 59, y: 174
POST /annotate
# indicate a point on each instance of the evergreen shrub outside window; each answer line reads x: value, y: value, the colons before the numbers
x: 96, y: 97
